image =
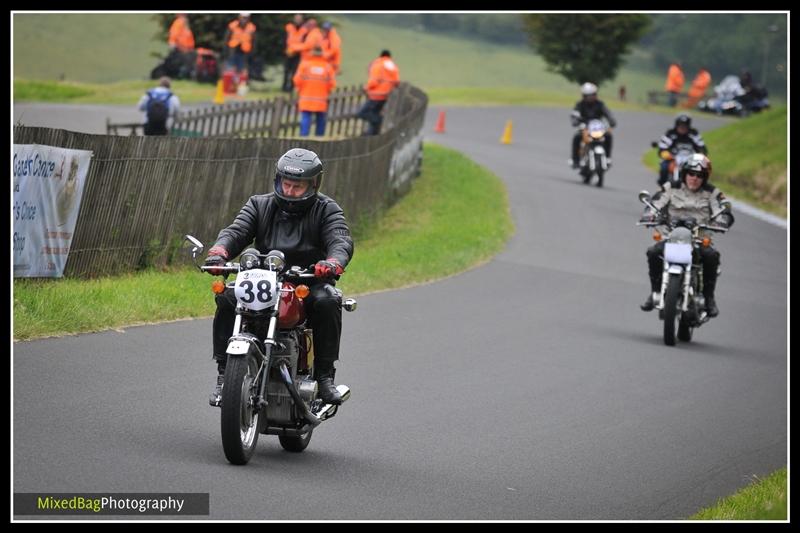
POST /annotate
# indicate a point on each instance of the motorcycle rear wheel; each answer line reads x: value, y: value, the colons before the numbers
x: 684, y: 330
x: 239, y: 420
x: 295, y: 444
x: 671, y: 297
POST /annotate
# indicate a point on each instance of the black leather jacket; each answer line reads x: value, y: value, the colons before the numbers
x: 318, y: 233
x: 672, y: 141
x: 585, y: 111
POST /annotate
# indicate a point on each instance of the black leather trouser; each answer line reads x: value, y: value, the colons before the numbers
x: 323, y: 306
x: 709, y: 257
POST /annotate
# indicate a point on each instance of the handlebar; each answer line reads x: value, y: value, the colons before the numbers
x: 227, y: 268
x: 233, y: 268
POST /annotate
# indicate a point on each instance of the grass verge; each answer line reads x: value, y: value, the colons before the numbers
x: 764, y: 499
x: 123, y: 92
x: 758, y: 174
x: 455, y: 217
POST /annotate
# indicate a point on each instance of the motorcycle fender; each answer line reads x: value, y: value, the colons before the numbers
x: 675, y: 269
x: 599, y: 150
x: 238, y: 347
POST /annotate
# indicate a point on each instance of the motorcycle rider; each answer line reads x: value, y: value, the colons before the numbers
x: 308, y: 227
x: 681, y: 135
x: 699, y: 199
x: 588, y: 108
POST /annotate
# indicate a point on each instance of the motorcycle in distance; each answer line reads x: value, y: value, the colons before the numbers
x: 730, y: 98
x: 676, y: 161
x: 269, y: 384
x: 681, y: 299
x: 592, y: 154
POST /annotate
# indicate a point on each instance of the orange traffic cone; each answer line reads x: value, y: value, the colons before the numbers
x: 440, y: 123
x: 219, y: 98
x: 506, y: 138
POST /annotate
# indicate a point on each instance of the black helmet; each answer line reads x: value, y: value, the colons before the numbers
x: 685, y: 119
x: 298, y: 164
x: 698, y: 164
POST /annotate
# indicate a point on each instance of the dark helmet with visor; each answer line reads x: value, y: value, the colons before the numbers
x: 684, y: 119
x: 298, y: 165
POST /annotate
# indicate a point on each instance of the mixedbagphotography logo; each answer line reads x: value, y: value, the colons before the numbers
x: 39, y: 503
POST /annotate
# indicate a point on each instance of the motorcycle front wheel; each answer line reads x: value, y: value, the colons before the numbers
x: 599, y: 169
x: 671, y: 297
x: 239, y: 419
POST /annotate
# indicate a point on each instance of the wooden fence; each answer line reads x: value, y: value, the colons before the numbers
x: 277, y: 117
x: 144, y: 193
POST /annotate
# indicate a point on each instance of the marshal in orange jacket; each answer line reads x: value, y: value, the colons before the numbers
x: 241, y: 36
x: 314, y: 80
x: 384, y: 76
x: 332, y: 49
x: 180, y: 36
x: 675, y: 79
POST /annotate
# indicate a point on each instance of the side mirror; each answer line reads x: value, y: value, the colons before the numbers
x: 644, y: 197
x: 654, y: 144
x: 197, y: 246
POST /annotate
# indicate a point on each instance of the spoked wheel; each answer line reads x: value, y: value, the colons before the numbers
x: 239, y: 420
x: 295, y: 443
x: 671, y: 315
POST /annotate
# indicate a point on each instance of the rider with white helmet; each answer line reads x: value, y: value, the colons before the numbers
x: 588, y: 108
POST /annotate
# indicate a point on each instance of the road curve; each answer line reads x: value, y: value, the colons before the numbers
x: 531, y: 388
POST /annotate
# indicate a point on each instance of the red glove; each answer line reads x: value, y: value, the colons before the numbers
x: 217, y: 255
x: 328, y: 268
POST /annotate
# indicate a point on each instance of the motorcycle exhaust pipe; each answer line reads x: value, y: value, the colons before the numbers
x: 287, y: 380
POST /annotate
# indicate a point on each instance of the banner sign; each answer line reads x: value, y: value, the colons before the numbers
x: 48, y: 186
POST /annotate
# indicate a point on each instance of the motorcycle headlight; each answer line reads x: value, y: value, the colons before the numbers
x: 275, y: 261
x: 680, y: 236
x: 249, y: 260
x: 596, y: 134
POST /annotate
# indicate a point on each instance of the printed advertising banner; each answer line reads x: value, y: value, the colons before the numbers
x: 48, y: 186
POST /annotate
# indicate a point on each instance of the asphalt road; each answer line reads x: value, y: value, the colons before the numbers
x: 530, y: 388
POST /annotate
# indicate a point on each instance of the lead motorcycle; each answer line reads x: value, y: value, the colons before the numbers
x: 681, y: 301
x: 269, y: 384
x: 593, y: 159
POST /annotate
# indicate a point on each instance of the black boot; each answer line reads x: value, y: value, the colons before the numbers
x: 648, y: 304
x: 711, y: 305
x: 655, y: 288
x: 327, y: 391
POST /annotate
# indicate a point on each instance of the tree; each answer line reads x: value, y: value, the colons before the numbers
x: 584, y: 47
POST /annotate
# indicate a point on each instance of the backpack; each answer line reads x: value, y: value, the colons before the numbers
x: 158, y: 107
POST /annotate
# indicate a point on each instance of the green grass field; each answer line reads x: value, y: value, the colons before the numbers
x: 458, y: 65
x: 764, y: 499
x: 749, y: 158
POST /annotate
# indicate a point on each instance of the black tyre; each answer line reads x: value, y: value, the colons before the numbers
x: 295, y: 444
x: 671, y: 298
x: 684, y: 330
x: 598, y: 165
x: 239, y: 421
